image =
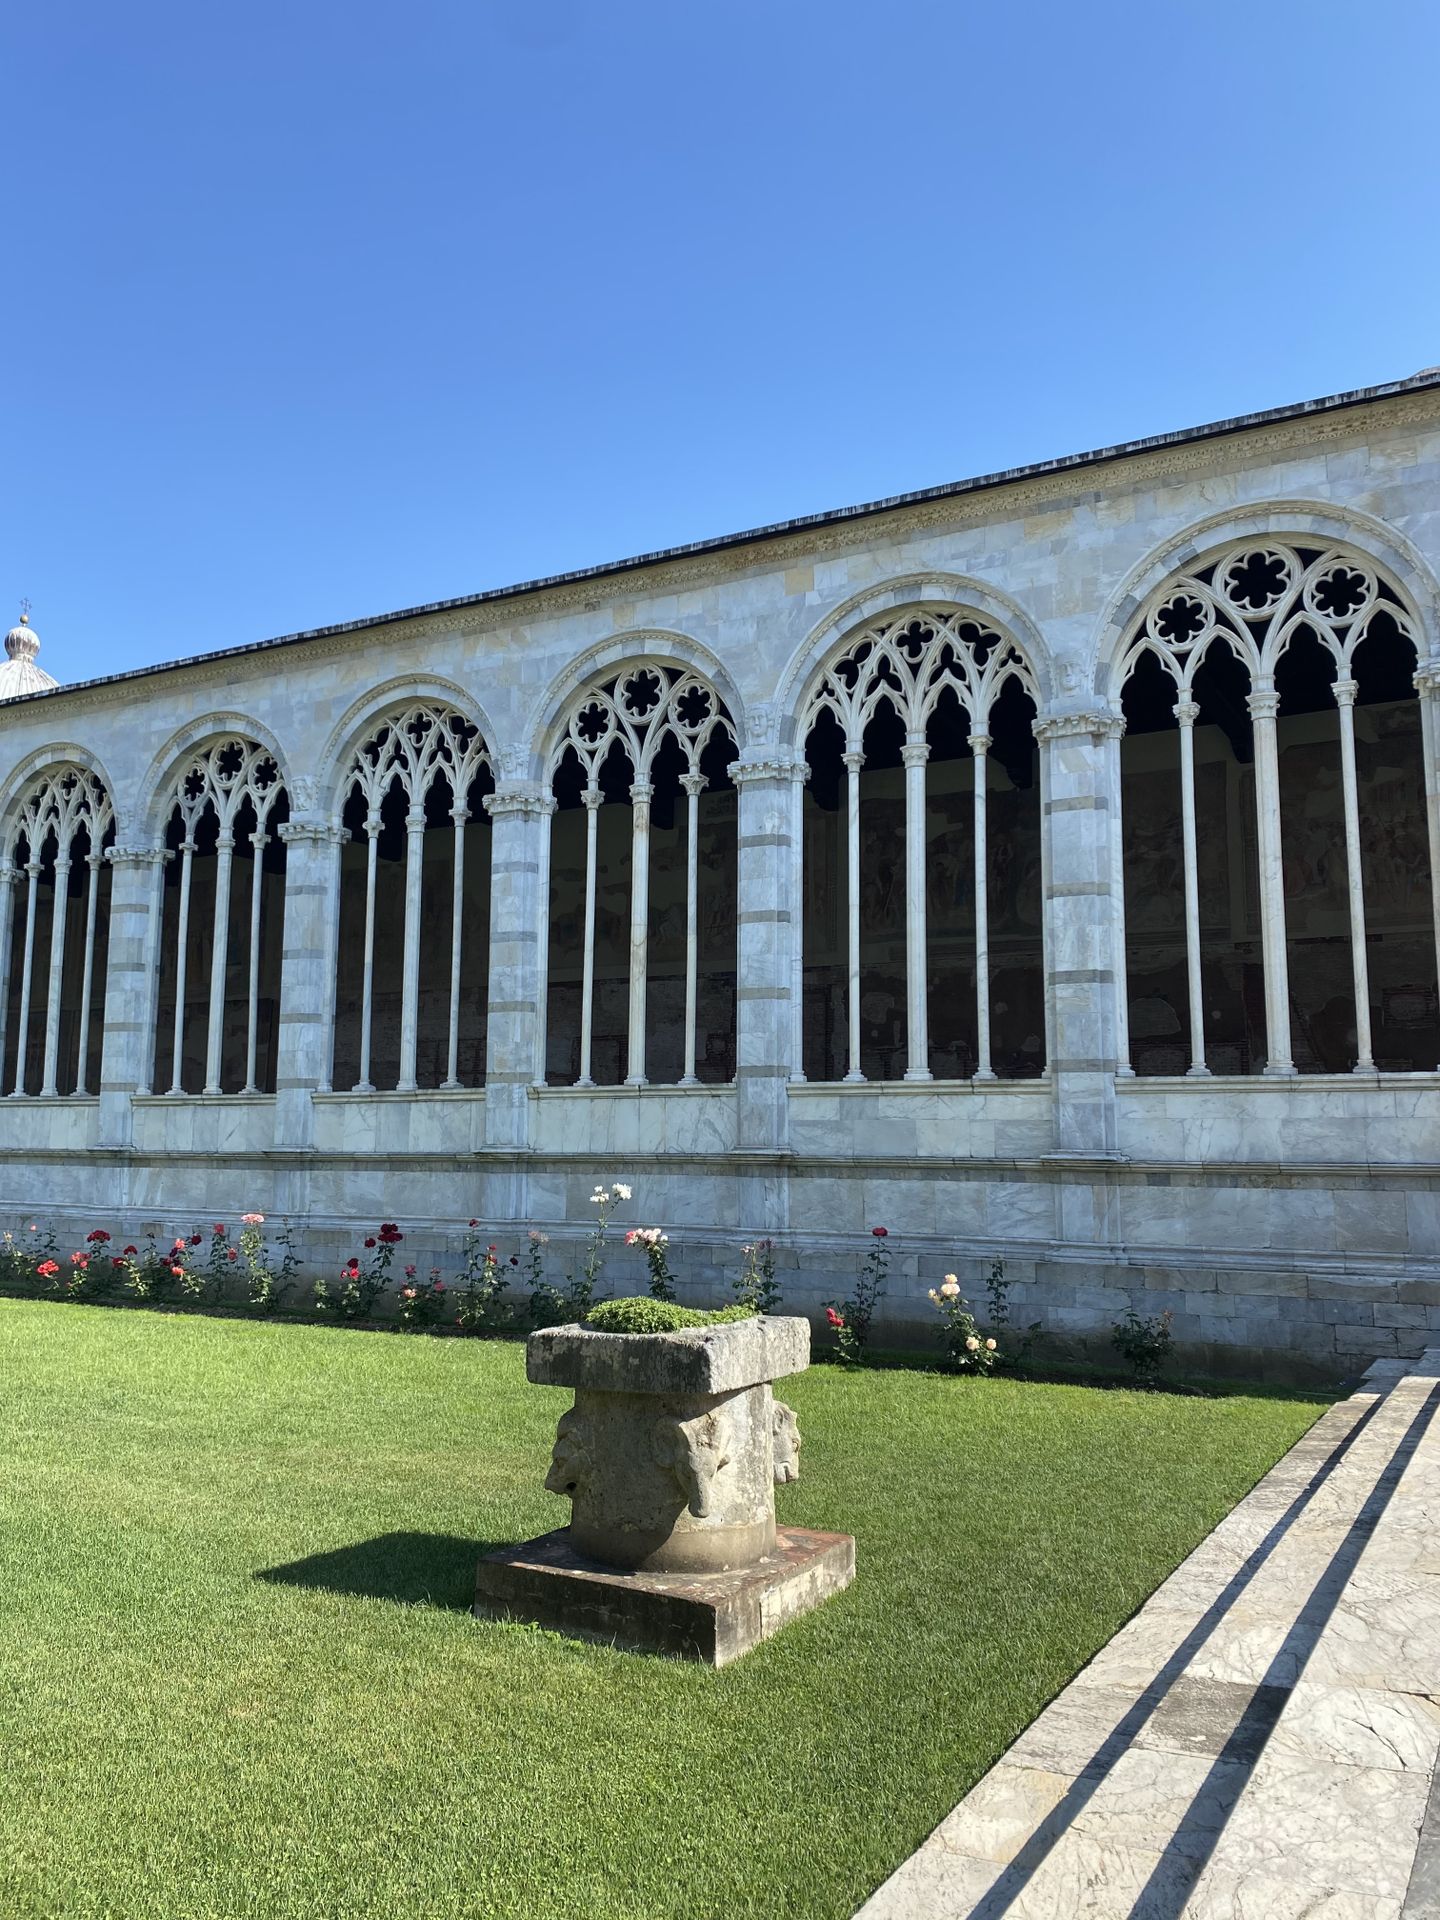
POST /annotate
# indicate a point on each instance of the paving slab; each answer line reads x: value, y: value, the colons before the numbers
x: 1260, y: 1741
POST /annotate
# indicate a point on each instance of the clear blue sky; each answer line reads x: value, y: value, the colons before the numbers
x: 318, y: 310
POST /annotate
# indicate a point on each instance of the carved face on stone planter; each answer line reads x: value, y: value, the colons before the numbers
x: 694, y: 1451
x: 570, y: 1465
x: 787, y: 1445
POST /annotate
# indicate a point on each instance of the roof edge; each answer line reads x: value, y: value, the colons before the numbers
x: 1425, y: 381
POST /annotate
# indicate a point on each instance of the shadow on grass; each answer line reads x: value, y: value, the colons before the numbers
x: 417, y: 1569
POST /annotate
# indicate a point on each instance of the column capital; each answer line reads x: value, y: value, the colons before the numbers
x: 1427, y: 678
x: 1099, y: 723
x: 138, y: 856
x: 372, y: 826
x: 915, y: 753
x: 224, y: 840
x: 8, y: 876
x: 641, y: 793
x: 694, y: 784
x: 1187, y: 712
x: 515, y: 796
x: 593, y: 798
x: 1263, y: 703
x: 979, y: 745
x: 415, y: 820
x: 853, y: 759
x: 316, y: 833
x: 1345, y: 690
x: 771, y: 764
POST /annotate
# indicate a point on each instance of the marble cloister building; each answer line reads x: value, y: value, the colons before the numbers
x: 1044, y: 866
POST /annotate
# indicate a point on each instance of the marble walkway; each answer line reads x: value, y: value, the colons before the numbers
x: 1260, y: 1741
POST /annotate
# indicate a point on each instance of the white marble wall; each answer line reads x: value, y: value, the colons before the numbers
x: 1302, y: 1210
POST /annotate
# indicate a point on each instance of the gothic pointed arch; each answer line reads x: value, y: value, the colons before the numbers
x: 58, y: 823
x: 412, y: 977
x: 216, y: 812
x: 921, y: 826
x: 1278, y: 844
x: 642, y: 896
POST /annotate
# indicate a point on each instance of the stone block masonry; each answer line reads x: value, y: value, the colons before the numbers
x: 1042, y: 867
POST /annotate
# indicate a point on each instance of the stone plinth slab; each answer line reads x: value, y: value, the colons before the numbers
x: 695, y: 1360
x: 714, y: 1617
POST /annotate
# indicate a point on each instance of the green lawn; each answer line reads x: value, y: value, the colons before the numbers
x: 237, y: 1676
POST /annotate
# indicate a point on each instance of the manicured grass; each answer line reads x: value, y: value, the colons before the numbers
x: 237, y: 1677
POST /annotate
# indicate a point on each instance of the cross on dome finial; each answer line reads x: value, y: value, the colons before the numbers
x: 25, y: 612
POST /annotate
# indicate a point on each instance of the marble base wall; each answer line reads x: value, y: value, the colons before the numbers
x: 1278, y: 1221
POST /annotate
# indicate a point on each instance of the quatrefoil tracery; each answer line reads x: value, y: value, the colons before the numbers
x: 1254, y: 599
x: 413, y: 748
x: 911, y: 663
x: 642, y: 708
x: 64, y: 802
x: 223, y: 777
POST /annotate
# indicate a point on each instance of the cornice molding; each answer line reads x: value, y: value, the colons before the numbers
x: 1244, y: 448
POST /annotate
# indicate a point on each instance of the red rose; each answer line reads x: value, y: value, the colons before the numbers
x: 99, y: 1235
x: 881, y: 1233
x: 409, y: 1273
x: 835, y: 1319
x: 474, y: 1223
x: 234, y: 1253
x: 129, y: 1250
x: 370, y: 1240
x: 219, y: 1229
x: 196, y: 1238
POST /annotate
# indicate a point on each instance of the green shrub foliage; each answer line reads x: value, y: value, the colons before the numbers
x: 642, y: 1314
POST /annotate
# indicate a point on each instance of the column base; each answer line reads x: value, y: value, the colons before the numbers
x: 636, y: 1080
x: 918, y: 1073
x: 687, y: 1080
x: 1280, y: 1070
x: 986, y: 1077
x: 853, y: 1080
x: 1198, y: 1072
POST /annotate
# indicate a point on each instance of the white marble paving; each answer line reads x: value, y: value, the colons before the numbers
x: 1260, y: 1741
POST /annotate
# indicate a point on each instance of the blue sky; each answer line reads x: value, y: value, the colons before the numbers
x: 317, y: 310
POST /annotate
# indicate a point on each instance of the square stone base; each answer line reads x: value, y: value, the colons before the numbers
x: 713, y: 1617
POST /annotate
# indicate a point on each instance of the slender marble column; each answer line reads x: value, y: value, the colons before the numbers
x: 410, y: 977
x: 1427, y: 685
x: 309, y: 945
x: 58, y: 917
x: 1187, y: 712
x: 130, y: 1042
x: 853, y: 763
x: 252, y: 971
x: 367, y: 995
x: 694, y: 785
x: 980, y: 747
x: 87, y: 978
x: 27, y: 971
x: 219, y: 959
x: 187, y: 856
x: 8, y: 877
x: 542, y: 941
x: 593, y: 799
x: 459, y: 815
x: 641, y: 794
x: 800, y: 773
x: 1345, y: 692
x: 1264, y: 705
x: 915, y: 753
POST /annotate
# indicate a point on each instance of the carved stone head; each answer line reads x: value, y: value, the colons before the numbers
x: 787, y: 1444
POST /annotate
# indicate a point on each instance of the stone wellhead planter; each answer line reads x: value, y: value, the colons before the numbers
x: 670, y: 1457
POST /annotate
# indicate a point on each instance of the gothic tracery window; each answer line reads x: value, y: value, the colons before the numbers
x: 642, y: 917
x: 412, y: 980
x: 1278, y: 898
x: 54, y: 1003
x: 222, y: 914
x: 922, y: 898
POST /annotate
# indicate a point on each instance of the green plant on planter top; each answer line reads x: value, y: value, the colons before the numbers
x: 641, y: 1314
